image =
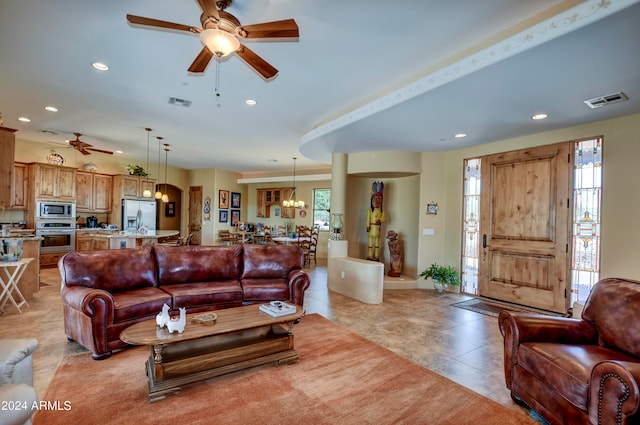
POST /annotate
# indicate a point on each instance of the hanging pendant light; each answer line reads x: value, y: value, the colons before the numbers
x: 158, y: 194
x: 292, y: 202
x: 147, y: 192
x: 165, y: 196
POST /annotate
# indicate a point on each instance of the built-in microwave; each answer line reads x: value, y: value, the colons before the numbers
x: 55, y: 209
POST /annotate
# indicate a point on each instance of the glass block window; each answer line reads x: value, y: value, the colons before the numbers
x: 587, y: 194
x: 471, y: 227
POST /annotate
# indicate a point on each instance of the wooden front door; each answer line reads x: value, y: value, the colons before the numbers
x: 525, y: 222
x: 195, y: 214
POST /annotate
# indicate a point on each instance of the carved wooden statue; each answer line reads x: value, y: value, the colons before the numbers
x: 375, y: 218
x: 395, y: 252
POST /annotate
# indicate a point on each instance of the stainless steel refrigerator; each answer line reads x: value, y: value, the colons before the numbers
x: 136, y: 214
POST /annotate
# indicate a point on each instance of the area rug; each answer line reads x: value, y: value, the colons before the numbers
x: 341, y: 378
x: 493, y: 308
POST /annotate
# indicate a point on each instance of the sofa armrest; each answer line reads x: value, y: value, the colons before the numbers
x: 87, y: 300
x: 16, y: 361
x: 298, y: 283
x: 23, y: 400
x: 613, y: 392
x: 518, y: 328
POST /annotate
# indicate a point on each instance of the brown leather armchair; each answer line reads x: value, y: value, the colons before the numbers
x: 578, y: 371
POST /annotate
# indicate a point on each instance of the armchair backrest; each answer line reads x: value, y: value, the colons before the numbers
x: 613, y: 307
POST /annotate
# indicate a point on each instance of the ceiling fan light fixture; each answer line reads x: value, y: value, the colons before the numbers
x: 219, y: 42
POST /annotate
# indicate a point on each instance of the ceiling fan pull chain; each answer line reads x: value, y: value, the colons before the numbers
x: 218, y: 79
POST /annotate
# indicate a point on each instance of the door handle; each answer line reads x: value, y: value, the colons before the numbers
x: 484, y: 241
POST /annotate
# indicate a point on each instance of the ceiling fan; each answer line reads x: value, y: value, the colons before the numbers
x: 220, y: 33
x: 84, y: 147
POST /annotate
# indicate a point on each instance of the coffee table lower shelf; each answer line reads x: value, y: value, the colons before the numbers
x: 171, y: 366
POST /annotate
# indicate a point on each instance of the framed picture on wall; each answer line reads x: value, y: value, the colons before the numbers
x: 224, y: 216
x: 235, y: 217
x: 223, y: 199
x: 235, y: 200
x: 170, y: 209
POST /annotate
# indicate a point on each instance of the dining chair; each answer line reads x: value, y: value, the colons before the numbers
x: 305, y: 245
x: 313, y: 244
x: 267, y: 236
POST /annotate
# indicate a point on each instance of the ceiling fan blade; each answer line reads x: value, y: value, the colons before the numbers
x: 201, y: 61
x: 256, y: 62
x: 276, y: 29
x: 83, y: 151
x: 141, y: 20
x: 209, y: 8
x: 100, y: 150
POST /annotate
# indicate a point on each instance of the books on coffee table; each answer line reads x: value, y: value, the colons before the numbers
x: 277, y: 308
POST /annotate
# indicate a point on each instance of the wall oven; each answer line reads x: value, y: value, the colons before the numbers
x: 55, y: 210
x: 57, y: 236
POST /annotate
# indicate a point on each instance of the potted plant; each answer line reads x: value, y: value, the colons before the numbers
x: 136, y: 170
x: 442, y: 276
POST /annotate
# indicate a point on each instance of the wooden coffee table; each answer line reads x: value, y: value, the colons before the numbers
x: 240, y: 338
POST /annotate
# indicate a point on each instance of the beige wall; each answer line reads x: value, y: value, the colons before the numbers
x: 439, y: 180
x: 620, y: 201
x: 304, y: 191
x: 29, y: 151
x: 212, y: 180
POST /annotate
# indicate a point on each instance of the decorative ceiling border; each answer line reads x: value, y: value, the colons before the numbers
x: 563, y: 23
x: 280, y: 179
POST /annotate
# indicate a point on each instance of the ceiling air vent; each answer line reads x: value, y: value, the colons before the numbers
x: 179, y: 102
x: 597, y: 102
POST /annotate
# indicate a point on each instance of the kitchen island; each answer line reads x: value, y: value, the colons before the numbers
x: 97, y: 239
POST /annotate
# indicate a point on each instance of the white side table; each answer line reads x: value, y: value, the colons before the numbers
x: 9, y: 282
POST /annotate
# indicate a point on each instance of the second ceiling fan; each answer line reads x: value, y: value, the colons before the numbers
x: 220, y: 33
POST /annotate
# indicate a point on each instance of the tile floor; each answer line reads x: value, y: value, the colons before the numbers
x: 418, y: 324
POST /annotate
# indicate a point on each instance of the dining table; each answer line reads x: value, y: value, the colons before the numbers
x: 243, y: 235
x: 288, y: 240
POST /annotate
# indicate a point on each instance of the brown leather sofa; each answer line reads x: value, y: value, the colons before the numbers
x: 578, y: 371
x: 104, y: 292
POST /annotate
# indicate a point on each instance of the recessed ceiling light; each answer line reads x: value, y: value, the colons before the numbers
x: 100, y: 66
x: 24, y: 119
x: 250, y: 102
x: 459, y: 135
x: 539, y: 116
x: 119, y: 151
x: 51, y: 108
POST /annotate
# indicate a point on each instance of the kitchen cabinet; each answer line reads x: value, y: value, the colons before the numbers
x: 7, y: 152
x: 51, y: 260
x: 262, y: 209
x: 20, y: 188
x: 287, y: 212
x: 54, y: 182
x: 91, y: 242
x: 128, y: 187
x: 93, y: 192
x: 273, y: 196
x: 30, y: 282
x: 132, y: 187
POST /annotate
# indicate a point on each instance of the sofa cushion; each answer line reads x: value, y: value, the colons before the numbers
x: 265, y: 289
x: 195, y: 263
x: 271, y: 261
x: 200, y: 294
x: 113, y: 270
x: 141, y: 302
x: 566, y: 368
x: 612, y: 308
